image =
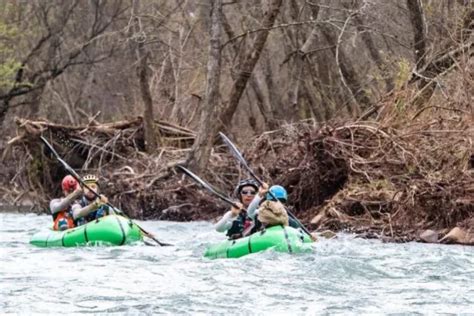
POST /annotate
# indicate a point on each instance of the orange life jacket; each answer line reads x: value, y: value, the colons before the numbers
x: 61, y: 217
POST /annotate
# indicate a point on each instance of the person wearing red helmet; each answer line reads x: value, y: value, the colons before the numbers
x: 61, y: 208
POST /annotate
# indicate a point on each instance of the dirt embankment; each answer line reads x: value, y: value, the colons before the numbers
x: 400, y: 178
x: 388, y: 179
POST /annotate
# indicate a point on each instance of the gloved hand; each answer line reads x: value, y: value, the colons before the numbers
x: 263, y: 190
x: 236, y: 211
x: 101, y: 201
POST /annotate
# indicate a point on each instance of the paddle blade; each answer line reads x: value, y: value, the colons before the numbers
x: 65, y: 165
x: 236, y: 153
x: 233, y: 149
x: 50, y: 147
x: 206, y: 185
x: 196, y: 178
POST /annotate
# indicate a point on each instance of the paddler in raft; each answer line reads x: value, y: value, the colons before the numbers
x: 254, y: 207
x: 61, y: 207
x: 236, y: 221
x: 271, y: 213
x: 264, y: 196
x: 90, y: 208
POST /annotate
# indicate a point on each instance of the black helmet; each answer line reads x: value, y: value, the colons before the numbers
x: 245, y: 183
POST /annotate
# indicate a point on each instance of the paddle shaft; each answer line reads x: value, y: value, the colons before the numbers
x: 236, y: 153
x: 78, y: 178
x: 207, y: 186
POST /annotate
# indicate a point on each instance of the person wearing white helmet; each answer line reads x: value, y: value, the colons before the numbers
x: 235, y: 221
x: 89, y: 207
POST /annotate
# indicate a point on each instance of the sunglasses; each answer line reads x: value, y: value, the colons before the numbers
x: 248, y: 192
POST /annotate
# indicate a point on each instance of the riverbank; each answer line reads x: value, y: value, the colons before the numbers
x: 400, y: 178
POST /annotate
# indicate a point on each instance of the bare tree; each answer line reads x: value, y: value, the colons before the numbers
x: 444, y: 60
x: 320, y: 57
x: 143, y: 71
x: 201, y: 150
x: 300, y: 59
x: 249, y: 60
x: 256, y: 83
x: 415, y: 11
x: 50, y: 56
x: 348, y: 74
x: 374, y: 52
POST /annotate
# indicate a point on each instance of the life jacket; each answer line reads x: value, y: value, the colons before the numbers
x: 255, y: 226
x: 100, y: 212
x: 239, y: 225
x: 63, y: 220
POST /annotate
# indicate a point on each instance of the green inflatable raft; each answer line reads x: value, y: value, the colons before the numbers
x: 108, y: 230
x: 278, y: 238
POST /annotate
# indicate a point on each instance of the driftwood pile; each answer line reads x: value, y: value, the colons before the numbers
x: 115, y: 151
x: 145, y: 186
x: 390, y: 179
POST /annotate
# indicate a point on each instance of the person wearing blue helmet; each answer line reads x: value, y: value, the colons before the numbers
x: 277, y: 192
x: 235, y: 221
x: 266, y: 194
x: 274, y: 193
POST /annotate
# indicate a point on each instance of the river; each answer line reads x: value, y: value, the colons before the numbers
x: 346, y: 275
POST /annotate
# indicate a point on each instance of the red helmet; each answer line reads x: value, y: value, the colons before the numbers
x: 69, y: 183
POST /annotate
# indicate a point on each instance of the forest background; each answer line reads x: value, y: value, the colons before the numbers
x: 362, y: 109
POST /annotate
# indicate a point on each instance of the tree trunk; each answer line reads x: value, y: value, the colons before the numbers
x: 349, y: 75
x: 250, y: 59
x: 201, y: 150
x: 300, y: 58
x: 142, y: 54
x: 374, y: 53
x: 419, y: 34
x: 274, y: 100
x: 445, y: 60
x: 4, y: 106
x: 313, y: 102
x: 466, y: 29
x: 263, y: 103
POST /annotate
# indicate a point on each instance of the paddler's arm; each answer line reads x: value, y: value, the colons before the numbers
x: 225, y: 223
x: 58, y: 205
x: 253, y: 206
x: 78, y: 211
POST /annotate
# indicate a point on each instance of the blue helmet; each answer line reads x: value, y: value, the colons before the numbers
x: 279, y: 192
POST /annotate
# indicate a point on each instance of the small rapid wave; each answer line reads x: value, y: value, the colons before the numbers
x: 342, y: 276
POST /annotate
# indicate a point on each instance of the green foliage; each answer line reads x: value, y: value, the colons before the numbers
x: 403, y: 73
x: 9, y: 65
x: 400, y: 105
x: 8, y: 70
x: 35, y: 171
